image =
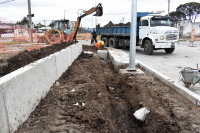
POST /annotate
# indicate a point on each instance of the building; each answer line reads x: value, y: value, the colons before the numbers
x: 185, y: 28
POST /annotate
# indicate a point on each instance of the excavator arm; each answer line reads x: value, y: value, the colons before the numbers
x: 99, y: 12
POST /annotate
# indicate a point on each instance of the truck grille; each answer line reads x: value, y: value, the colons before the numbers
x: 171, y: 37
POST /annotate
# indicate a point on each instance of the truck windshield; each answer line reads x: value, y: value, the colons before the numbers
x: 154, y: 23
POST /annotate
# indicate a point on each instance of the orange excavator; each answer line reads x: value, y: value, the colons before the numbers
x: 55, y: 35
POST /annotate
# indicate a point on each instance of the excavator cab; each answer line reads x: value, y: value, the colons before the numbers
x: 99, y: 10
x: 62, y: 25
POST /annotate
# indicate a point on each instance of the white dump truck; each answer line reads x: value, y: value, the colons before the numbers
x: 153, y: 33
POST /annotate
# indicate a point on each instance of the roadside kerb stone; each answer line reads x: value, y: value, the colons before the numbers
x: 102, y: 54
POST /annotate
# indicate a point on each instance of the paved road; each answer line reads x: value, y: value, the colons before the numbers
x: 171, y: 64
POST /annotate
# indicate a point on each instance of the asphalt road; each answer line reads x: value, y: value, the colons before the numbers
x: 171, y: 64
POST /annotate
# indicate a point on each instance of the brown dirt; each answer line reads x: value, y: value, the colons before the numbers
x: 92, y: 48
x: 106, y: 102
x: 27, y: 57
x: 110, y: 24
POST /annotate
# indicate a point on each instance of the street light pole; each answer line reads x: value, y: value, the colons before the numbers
x: 30, y: 20
x: 95, y: 17
x: 133, y: 36
x: 64, y: 14
x: 168, y: 7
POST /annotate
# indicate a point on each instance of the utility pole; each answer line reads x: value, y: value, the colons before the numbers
x: 30, y: 20
x: 92, y: 22
x: 95, y: 17
x: 45, y: 24
x: 133, y: 36
x: 168, y: 7
x: 64, y: 14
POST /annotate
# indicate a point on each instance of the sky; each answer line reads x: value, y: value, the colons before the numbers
x: 113, y: 10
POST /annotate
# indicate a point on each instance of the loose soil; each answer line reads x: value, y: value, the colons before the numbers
x: 110, y: 24
x: 90, y: 97
x: 23, y: 58
x: 92, y: 48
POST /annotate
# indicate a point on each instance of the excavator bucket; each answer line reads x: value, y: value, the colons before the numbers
x: 99, y: 11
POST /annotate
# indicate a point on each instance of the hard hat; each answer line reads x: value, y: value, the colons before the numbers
x: 102, y: 42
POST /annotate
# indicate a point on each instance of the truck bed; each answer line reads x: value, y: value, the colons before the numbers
x: 120, y: 30
x: 116, y: 30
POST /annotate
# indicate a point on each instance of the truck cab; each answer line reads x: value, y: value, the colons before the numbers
x: 155, y: 33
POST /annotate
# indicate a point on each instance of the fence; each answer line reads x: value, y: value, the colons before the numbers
x: 12, y: 33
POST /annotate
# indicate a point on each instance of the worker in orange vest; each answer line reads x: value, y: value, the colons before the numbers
x: 98, y: 45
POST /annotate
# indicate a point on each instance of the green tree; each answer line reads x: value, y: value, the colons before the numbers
x: 39, y: 25
x: 191, y: 10
x: 24, y: 21
x: 51, y: 24
x: 177, y: 16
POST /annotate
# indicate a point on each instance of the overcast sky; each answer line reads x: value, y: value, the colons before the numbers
x: 54, y: 9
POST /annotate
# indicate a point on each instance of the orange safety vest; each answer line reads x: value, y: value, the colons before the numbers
x: 98, y: 45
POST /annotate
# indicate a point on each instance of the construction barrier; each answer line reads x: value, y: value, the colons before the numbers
x: 85, y: 36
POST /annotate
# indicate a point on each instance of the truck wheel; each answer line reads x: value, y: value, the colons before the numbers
x: 113, y: 43
x: 148, y: 48
x: 169, y: 50
x: 105, y: 39
x: 187, y: 85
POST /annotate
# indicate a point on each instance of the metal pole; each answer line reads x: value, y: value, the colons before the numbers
x: 168, y: 7
x: 92, y: 22
x: 30, y: 20
x: 45, y: 24
x: 95, y: 17
x: 133, y: 36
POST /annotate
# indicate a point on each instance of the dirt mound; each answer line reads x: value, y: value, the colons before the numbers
x: 92, y: 98
x: 110, y: 24
x: 27, y: 57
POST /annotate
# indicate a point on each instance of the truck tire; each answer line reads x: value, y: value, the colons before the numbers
x: 105, y: 39
x: 113, y: 43
x: 148, y: 48
x: 187, y: 85
x: 169, y: 50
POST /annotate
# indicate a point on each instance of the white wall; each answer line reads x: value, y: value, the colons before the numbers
x: 187, y: 30
x: 22, y: 90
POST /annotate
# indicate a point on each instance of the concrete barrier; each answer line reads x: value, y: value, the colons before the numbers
x: 22, y: 90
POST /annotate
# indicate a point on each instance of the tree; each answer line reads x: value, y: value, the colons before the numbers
x: 51, y: 24
x: 39, y: 25
x: 177, y: 16
x: 24, y: 21
x: 191, y: 10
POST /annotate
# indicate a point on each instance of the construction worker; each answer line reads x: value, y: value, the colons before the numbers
x: 94, y: 36
x: 98, y: 45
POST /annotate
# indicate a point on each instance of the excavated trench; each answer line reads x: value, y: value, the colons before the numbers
x: 91, y: 97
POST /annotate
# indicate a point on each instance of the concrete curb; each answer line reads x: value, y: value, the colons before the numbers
x: 22, y: 90
x: 119, y: 57
x: 193, y: 97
